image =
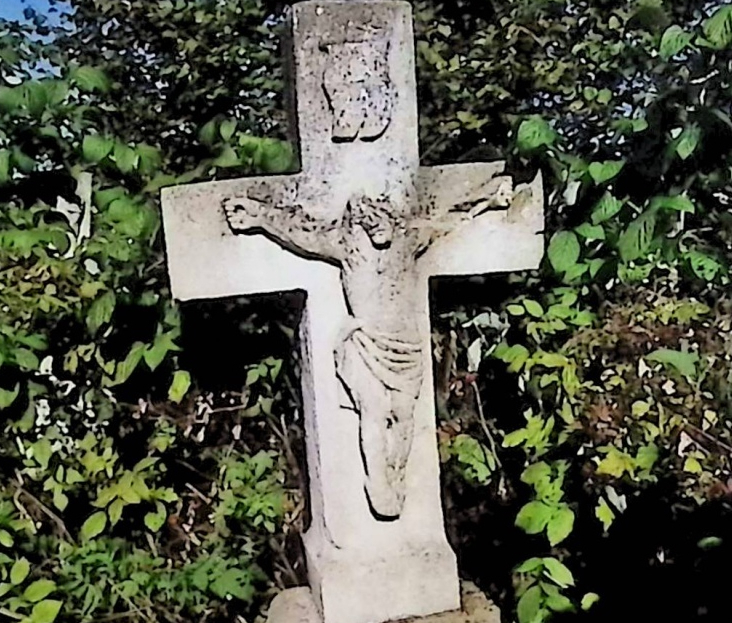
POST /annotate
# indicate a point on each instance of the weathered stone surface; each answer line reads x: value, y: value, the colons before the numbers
x: 296, y: 605
x: 362, y: 228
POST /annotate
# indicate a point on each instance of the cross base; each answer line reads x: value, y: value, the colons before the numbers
x: 377, y: 584
x: 296, y: 605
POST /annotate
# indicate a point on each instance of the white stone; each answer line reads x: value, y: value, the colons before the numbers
x: 361, y: 230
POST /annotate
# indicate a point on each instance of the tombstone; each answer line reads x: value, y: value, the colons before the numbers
x: 361, y: 229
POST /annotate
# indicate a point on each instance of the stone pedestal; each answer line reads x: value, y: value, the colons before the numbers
x: 296, y: 605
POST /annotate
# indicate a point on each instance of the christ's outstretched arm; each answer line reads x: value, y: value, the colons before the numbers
x: 443, y: 218
x: 278, y: 214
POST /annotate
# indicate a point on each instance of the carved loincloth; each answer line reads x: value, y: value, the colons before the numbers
x: 394, y: 361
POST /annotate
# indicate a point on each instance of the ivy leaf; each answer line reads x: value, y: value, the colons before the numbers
x: 96, y: 148
x: 684, y: 363
x: 602, y: 172
x: 101, y: 310
x: 564, y: 251
x: 45, y: 611
x: 534, y: 517
x: 125, y: 158
x: 636, y: 240
x: 94, y: 526
x: 90, y: 79
x: 558, y: 572
x: 19, y: 571
x: 529, y: 604
x: 718, y: 27
x: 180, y: 385
x: 533, y: 133
x: 560, y: 525
x: 673, y: 41
x: 40, y: 589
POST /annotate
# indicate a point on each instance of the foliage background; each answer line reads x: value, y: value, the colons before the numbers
x: 151, y: 457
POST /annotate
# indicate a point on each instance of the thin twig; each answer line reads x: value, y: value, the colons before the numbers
x: 484, y: 423
x: 44, y: 509
x: 198, y: 493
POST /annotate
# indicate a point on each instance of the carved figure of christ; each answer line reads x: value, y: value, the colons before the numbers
x: 362, y: 228
x: 379, y: 357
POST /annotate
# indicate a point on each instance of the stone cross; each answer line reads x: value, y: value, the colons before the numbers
x: 361, y: 229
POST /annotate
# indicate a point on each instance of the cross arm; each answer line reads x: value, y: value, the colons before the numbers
x: 278, y: 207
x: 454, y: 195
x: 471, y: 235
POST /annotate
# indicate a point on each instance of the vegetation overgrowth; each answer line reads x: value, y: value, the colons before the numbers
x: 151, y: 457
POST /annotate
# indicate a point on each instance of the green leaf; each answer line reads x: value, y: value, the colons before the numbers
x: 180, y: 385
x: 604, y: 513
x: 207, y: 134
x: 96, y: 148
x: 680, y: 203
x: 684, y: 363
x: 149, y: 159
x: 533, y: 133
x: 94, y: 526
x: 6, y: 539
x: 589, y: 600
x: 709, y: 542
x: 636, y: 240
x: 90, y: 79
x: 26, y: 359
x: 4, y: 166
x: 125, y: 158
x: 19, y: 571
x: 45, y: 611
x: 124, y: 369
x: 227, y: 158
x: 559, y: 603
x: 564, y: 250
x: 534, y: 308
x: 646, y: 456
x: 718, y: 27
x: 616, y: 463
x: 155, y: 353
x: 529, y: 604
x: 602, y: 172
x: 40, y: 589
x: 704, y: 266
x: 8, y: 396
x: 534, y: 517
x: 688, y: 141
x: 154, y: 521
x: 558, y: 572
x: 590, y: 232
x: 532, y: 564
x: 560, y: 525
x: 274, y: 156
x: 101, y: 310
x: 673, y: 41
x: 227, y: 129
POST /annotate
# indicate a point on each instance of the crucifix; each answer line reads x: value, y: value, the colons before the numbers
x: 361, y: 229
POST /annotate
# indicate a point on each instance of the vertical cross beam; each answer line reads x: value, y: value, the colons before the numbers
x: 384, y: 225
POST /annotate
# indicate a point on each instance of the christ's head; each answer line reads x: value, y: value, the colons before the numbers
x: 376, y: 219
